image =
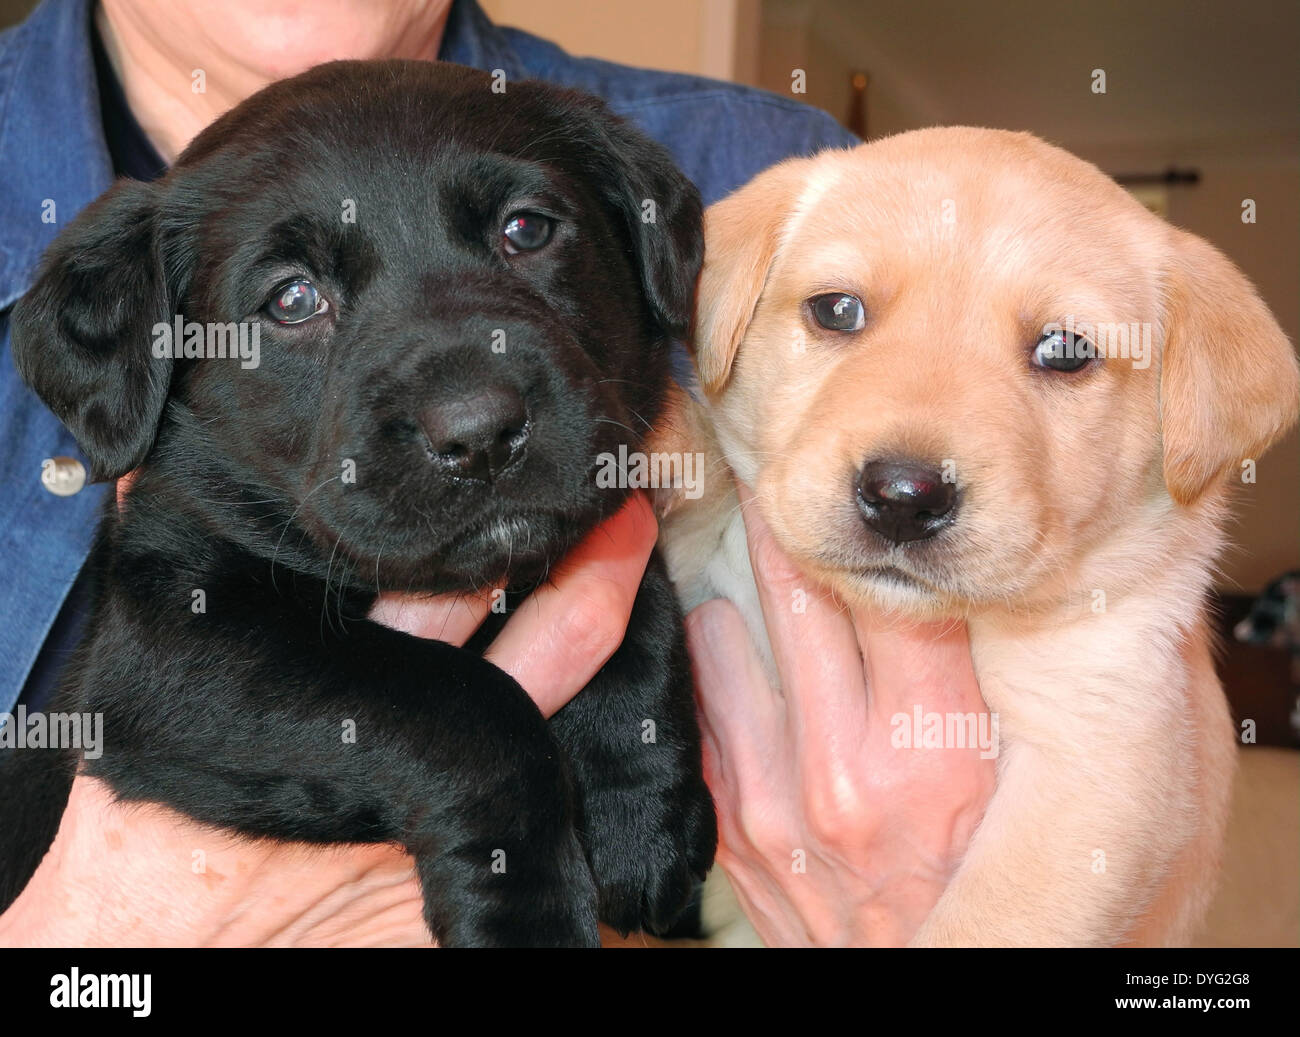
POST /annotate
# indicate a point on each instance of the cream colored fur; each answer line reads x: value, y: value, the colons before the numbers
x: 1091, y: 503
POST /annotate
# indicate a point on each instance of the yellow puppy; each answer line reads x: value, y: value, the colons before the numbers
x: 967, y: 375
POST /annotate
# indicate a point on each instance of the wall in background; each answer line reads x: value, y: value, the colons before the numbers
x: 14, y: 11
x: 1266, y: 536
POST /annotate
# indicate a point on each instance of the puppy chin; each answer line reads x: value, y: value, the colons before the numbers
x: 504, y: 549
x: 893, y: 591
x: 494, y: 566
x: 496, y: 550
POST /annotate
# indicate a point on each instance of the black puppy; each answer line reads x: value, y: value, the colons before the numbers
x: 462, y: 298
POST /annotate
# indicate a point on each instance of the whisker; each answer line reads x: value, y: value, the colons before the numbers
x: 289, y: 521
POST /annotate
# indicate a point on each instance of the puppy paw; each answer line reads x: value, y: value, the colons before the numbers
x: 521, y: 897
x: 569, y: 922
x: 653, y: 850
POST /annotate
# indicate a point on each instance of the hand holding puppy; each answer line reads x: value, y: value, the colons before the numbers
x: 829, y: 834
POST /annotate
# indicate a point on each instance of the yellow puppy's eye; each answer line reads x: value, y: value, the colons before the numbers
x: 1061, y: 350
x: 838, y: 311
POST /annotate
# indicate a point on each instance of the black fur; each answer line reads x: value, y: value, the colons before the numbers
x: 235, y: 715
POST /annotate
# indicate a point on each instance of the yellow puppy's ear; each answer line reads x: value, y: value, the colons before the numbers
x: 1228, y: 378
x: 741, y: 234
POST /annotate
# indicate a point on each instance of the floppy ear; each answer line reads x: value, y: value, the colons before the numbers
x: 741, y: 234
x: 1228, y: 376
x: 662, y: 210
x: 82, y: 335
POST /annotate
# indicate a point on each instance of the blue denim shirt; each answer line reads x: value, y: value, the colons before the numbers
x: 52, y: 149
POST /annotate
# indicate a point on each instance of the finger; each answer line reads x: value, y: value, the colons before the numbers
x: 814, y: 644
x: 737, y: 706
x: 123, y: 487
x: 917, y: 663
x: 744, y: 758
x: 567, y: 630
x: 449, y: 617
x: 767, y: 897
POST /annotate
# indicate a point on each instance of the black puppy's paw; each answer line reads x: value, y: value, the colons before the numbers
x: 556, y: 909
x: 648, y: 852
x: 523, y: 896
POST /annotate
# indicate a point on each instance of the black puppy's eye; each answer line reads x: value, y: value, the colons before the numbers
x: 839, y: 312
x: 526, y: 232
x: 1061, y: 350
x: 296, y: 302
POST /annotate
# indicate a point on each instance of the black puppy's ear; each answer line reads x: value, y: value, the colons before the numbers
x: 664, y: 217
x: 82, y: 335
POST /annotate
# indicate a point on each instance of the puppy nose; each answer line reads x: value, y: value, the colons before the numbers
x: 477, y: 436
x: 903, y: 501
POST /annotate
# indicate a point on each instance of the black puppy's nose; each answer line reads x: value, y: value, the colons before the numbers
x: 477, y: 436
x: 903, y: 501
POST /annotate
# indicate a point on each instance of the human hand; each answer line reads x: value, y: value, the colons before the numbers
x: 829, y: 834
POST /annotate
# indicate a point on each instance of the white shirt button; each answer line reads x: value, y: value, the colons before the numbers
x: 63, y: 476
